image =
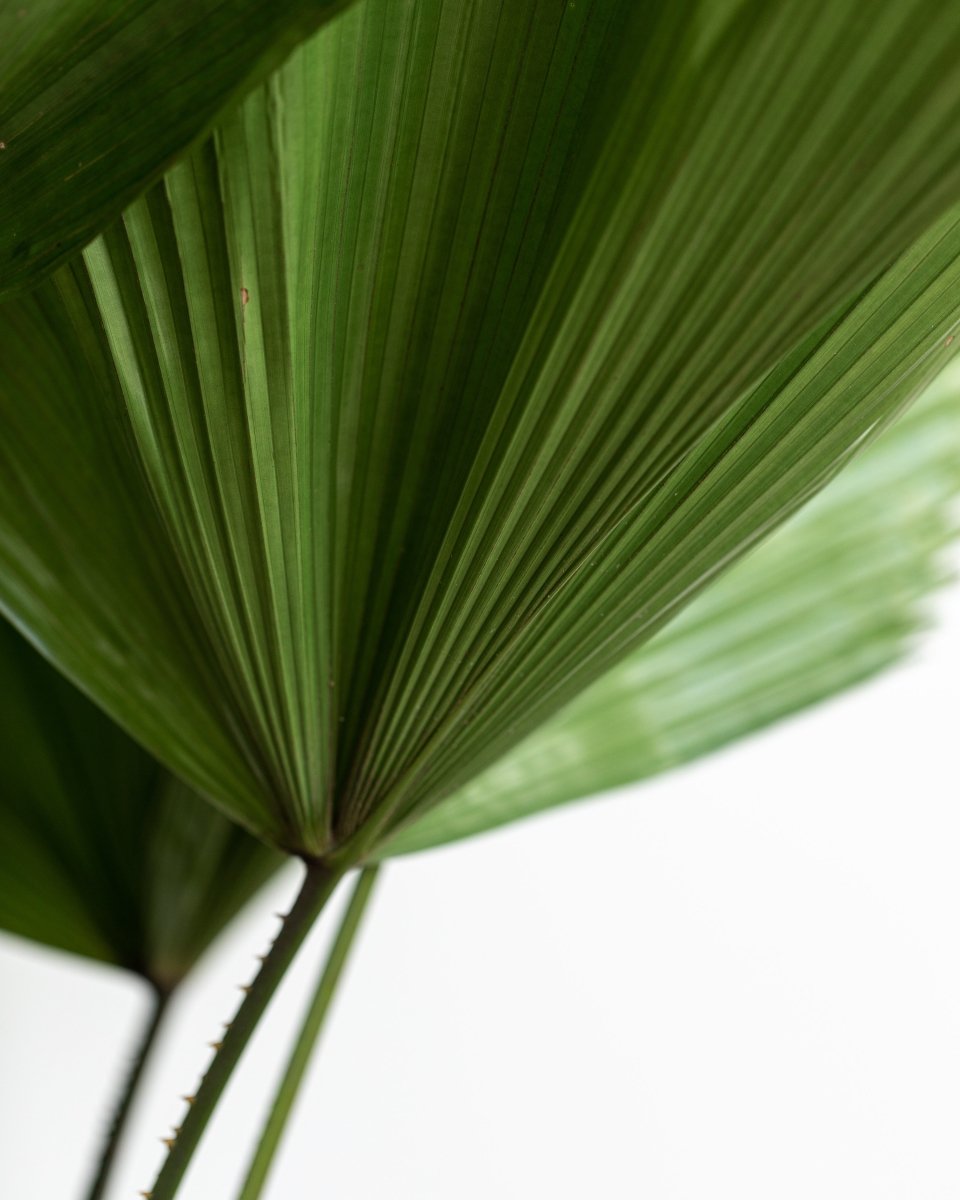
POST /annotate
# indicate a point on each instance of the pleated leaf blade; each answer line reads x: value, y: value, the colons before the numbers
x: 472, y: 347
x: 834, y: 597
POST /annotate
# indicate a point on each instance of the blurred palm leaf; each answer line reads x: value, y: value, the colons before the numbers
x: 68, y: 162
x: 102, y: 852
x: 831, y: 599
x: 469, y: 350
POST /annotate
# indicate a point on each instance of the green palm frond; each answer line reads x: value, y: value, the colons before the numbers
x: 834, y: 597
x: 98, y: 96
x: 470, y: 349
x: 102, y: 852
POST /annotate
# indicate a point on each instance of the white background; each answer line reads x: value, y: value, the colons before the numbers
x: 742, y: 981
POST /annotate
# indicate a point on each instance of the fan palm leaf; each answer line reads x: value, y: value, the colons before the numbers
x: 468, y: 351
x: 834, y: 597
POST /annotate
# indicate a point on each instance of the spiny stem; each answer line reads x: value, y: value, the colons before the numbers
x: 310, y: 1030
x: 159, y: 1001
x: 318, y: 886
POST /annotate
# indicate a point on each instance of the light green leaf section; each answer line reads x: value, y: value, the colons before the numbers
x: 102, y: 852
x: 832, y: 598
x: 98, y: 96
x: 473, y: 346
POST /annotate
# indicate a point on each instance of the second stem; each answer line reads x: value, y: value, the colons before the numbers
x: 306, y: 1041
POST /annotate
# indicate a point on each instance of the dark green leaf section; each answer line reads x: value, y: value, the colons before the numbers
x: 98, y: 96
x: 102, y: 852
x: 474, y: 345
x: 831, y: 599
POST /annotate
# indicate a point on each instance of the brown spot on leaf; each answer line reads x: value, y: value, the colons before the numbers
x: 244, y: 297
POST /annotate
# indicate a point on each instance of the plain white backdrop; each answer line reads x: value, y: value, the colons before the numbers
x: 742, y: 981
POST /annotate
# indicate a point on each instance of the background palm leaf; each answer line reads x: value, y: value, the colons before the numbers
x: 68, y: 165
x: 470, y: 349
x: 831, y: 599
x: 102, y: 852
